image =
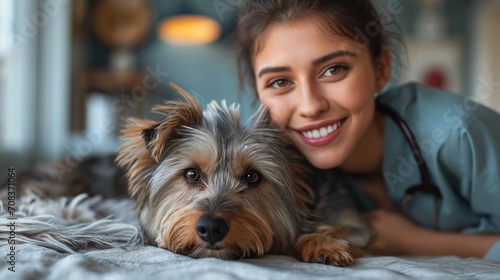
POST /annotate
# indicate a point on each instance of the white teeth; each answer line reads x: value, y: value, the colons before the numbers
x: 322, y: 132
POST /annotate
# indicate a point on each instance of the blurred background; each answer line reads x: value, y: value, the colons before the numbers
x: 72, y: 70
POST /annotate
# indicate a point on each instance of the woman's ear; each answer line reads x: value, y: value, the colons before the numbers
x: 383, y: 69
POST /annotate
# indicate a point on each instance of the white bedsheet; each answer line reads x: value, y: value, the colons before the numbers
x: 147, y: 262
x: 53, y: 222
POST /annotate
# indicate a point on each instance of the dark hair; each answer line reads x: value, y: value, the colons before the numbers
x: 356, y: 19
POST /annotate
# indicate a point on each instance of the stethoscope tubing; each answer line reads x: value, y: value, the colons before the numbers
x: 425, y: 185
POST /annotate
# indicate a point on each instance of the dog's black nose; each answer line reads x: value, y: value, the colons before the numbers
x: 211, y: 229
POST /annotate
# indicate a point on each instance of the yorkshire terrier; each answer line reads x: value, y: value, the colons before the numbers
x: 207, y: 186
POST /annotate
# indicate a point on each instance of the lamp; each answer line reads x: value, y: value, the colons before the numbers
x: 189, y: 29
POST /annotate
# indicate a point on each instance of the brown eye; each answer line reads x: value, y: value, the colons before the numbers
x: 252, y: 178
x: 278, y: 83
x: 192, y: 175
x: 335, y: 70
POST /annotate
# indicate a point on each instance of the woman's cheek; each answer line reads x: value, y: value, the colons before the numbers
x: 279, y: 113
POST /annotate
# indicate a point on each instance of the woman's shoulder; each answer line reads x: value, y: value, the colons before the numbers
x: 412, y: 98
x: 436, y: 107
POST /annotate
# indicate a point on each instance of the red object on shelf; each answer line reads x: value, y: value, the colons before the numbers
x: 435, y: 77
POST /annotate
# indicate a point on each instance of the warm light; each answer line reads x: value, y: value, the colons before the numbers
x: 189, y: 29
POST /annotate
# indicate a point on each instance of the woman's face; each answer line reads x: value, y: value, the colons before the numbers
x: 320, y: 88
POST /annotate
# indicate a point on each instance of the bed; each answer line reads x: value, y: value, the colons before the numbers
x: 52, y: 243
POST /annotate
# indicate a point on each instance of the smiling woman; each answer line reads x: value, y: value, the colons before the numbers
x: 321, y: 67
x: 319, y: 64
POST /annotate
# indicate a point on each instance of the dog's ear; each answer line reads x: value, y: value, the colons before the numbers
x: 133, y: 151
x: 149, y: 134
x: 178, y: 114
x: 146, y: 141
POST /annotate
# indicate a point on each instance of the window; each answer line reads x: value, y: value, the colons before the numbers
x: 6, y: 20
x: 6, y: 25
x: 6, y: 31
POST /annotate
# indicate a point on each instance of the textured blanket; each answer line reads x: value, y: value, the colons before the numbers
x: 91, y: 238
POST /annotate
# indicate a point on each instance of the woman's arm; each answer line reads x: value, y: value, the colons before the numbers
x: 397, y: 235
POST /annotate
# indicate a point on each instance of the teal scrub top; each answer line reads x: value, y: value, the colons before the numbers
x: 460, y: 143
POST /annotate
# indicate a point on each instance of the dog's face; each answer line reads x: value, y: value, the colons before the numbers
x: 207, y: 187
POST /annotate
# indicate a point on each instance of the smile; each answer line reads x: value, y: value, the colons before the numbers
x: 321, y: 134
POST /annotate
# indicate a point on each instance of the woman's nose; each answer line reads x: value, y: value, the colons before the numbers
x: 311, y: 102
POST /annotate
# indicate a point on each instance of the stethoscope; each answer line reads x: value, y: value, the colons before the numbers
x: 425, y: 186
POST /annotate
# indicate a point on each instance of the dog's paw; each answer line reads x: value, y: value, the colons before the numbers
x: 316, y: 248
x: 332, y: 254
x: 336, y: 258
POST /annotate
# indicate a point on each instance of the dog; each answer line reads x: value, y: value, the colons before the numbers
x: 207, y: 186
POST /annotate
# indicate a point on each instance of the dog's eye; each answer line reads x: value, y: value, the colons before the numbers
x: 252, y: 177
x: 192, y: 175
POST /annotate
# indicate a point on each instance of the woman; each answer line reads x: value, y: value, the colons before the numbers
x: 319, y: 66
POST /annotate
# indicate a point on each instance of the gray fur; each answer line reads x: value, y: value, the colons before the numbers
x: 335, y: 206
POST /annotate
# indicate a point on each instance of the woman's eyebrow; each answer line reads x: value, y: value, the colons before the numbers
x: 315, y: 62
x: 332, y: 56
x: 273, y: 69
